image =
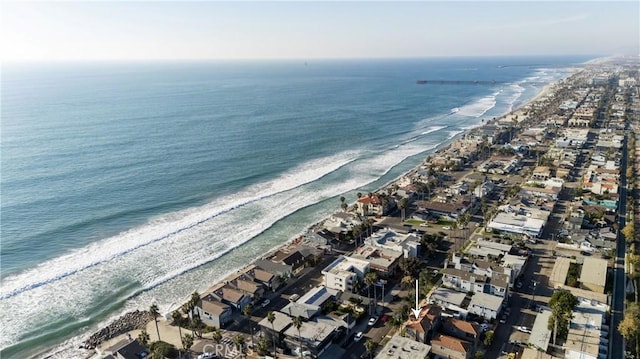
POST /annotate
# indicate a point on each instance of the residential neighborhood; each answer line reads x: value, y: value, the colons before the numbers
x: 508, y: 243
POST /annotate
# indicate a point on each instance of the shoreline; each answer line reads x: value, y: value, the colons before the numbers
x: 540, y: 94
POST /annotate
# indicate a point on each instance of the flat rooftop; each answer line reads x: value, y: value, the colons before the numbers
x: 399, y: 347
x: 540, y: 334
x: 559, y: 272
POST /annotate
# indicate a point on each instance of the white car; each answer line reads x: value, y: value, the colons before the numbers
x: 206, y: 356
x: 265, y: 303
x: 358, y: 337
x: 373, y: 321
x: 524, y: 329
x: 446, y: 228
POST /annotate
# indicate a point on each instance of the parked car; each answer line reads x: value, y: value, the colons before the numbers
x: 373, y: 320
x: 358, y: 337
x: 446, y: 228
x: 503, y: 319
x: 294, y: 297
x: 265, y: 303
x: 524, y: 329
x: 507, y: 312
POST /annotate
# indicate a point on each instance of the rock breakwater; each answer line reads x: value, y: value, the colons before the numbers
x: 130, y: 321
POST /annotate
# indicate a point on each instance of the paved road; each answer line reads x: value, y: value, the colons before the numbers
x: 616, y: 344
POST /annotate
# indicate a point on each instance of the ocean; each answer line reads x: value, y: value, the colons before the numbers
x: 125, y: 184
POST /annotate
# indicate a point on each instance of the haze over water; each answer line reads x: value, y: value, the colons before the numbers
x: 125, y: 184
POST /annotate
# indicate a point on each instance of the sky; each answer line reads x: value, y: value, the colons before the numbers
x: 149, y: 30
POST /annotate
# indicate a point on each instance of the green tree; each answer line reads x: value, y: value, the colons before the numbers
x: 370, y: 346
x: 629, y: 232
x: 271, y: 317
x: 187, y: 341
x: 216, y: 336
x: 262, y: 346
x: 297, y: 323
x: 197, y: 326
x: 162, y: 349
x: 488, y: 338
x: 343, y: 203
x: 629, y: 327
x: 561, y: 303
x: 154, y: 311
x: 144, y: 338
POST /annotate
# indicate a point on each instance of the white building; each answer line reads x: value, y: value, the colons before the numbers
x: 343, y: 272
x: 408, y: 244
x: 587, y: 338
x: 485, y: 305
x: 520, y: 220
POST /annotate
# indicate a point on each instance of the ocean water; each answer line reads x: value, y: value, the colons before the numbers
x: 125, y: 184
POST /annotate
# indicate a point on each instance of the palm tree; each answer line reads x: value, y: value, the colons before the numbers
x: 247, y: 310
x: 403, y: 206
x: 193, y: 302
x: 297, y: 323
x: 144, y: 338
x: 343, y: 203
x: 370, y: 279
x: 370, y: 346
x: 238, y: 340
x: 154, y: 311
x: 177, y: 320
x: 271, y: 317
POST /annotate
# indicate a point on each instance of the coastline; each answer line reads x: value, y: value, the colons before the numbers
x: 541, y: 93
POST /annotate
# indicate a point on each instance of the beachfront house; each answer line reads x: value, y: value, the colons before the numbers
x: 126, y: 349
x: 267, y: 279
x: 231, y: 296
x: 212, y: 312
x: 374, y: 204
x: 277, y: 269
x: 295, y: 259
x: 255, y: 290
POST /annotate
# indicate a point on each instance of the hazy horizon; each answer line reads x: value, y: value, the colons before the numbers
x: 161, y: 31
